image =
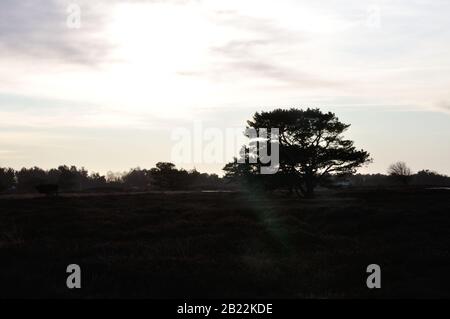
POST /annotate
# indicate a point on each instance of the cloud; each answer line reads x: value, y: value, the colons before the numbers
x: 38, y: 29
x: 263, y: 50
x: 272, y: 71
x: 239, y: 48
x: 32, y: 112
x: 444, y: 106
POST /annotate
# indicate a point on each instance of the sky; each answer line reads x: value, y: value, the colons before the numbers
x: 108, y: 85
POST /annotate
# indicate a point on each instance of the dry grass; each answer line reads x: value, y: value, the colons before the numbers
x: 226, y: 245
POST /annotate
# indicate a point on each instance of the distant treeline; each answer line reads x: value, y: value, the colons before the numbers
x: 165, y: 176
x: 421, y: 178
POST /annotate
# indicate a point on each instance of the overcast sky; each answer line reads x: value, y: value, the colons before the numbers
x: 109, y: 95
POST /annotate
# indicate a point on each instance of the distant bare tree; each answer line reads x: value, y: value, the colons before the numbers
x: 112, y: 177
x: 400, y: 172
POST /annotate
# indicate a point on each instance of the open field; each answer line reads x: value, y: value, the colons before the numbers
x: 161, y: 245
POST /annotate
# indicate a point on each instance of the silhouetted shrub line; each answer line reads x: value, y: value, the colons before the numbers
x: 72, y: 179
x: 166, y: 177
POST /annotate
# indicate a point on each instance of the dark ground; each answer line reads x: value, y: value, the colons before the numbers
x: 227, y: 245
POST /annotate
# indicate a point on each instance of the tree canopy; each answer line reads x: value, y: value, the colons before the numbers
x: 311, y: 146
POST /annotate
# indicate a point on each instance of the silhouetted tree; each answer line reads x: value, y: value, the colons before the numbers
x: 95, y: 180
x: 7, y: 179
x: 400, y: 172
x: 203, y: 181
x: 428, y: 177
x: 165, y: 176
x: 71, y: 179
x: 370, y: 180
x: 66, y: 178
x: 311, y: 147
x: 242, y: 173
x: 29, y: 178
x: 137, y: 179
x: 247, y: 176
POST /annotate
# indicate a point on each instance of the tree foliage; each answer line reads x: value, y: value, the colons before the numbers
x: 165, y: 176
x: 7, y: 179
x: 311, y: 146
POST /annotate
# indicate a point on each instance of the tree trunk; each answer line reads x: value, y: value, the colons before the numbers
x: 309, y: 191
x: 305, y: 189
x: 309, y: 185
x: 299, y: 194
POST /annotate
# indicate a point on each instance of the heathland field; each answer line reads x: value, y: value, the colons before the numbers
x: 197, y: 244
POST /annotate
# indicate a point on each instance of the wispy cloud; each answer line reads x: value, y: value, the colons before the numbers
x: 263, y: 49
x: 444, y: 106
x: 37, y: 29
